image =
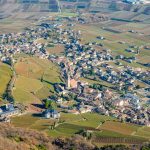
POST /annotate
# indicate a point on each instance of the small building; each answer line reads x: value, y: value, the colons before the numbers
x: 59, y: 101
x: 118, y: 103
x: 73, y: 83
x: 51, y: 113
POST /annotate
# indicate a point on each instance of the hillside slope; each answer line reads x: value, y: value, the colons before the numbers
x: 12, y: 6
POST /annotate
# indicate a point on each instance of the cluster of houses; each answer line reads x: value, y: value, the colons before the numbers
x: 27, y: 42
x: 143, y: 76
x: 90, y: 18
x: 126, y: 108
x: 82, y: 62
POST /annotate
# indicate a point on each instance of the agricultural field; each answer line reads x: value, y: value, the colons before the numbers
x: 93, y: 120
x: 101, y: 126
x: 5, y: 77
x: 32, y: 122
x: 56, y: 49
x: 70, y: 124
x: 95, y: 29
x: 143, y: 132
x: 13, y: 25
x: 34, y: 79
x: 122, y: 128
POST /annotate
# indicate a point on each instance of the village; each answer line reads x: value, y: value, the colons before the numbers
x: 119, y: 96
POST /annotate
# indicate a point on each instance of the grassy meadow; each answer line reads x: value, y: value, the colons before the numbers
x: 5, y: 77
x: 34, y: 80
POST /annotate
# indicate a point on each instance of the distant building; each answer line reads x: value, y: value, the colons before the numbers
x: 51, y: 113
x: 119, y: 103
x: 73, y: 83
x: 8, y: 110
x: 136, y: 1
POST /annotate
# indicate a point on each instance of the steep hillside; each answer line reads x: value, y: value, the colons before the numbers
x: 17, y: 138
x: 12, y: 6
x: 8, y: 7
x: 12, y: 138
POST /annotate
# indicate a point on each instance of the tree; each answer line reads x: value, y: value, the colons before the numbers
x: 49, y: 104
x: 138, y: 87
x: 46, y: 104
x: 41, y: 147
x: 114, y: 147
x: 72, y: 96
x: 146, y: 147
x: 85, y: 134
x: 91, y: 72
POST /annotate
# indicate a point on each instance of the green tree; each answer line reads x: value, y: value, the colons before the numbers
x: 49, y: 104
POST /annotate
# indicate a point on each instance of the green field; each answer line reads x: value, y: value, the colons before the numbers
x: 70, y: 124
x: 143, y: 132
x: 5, y: 77
x: 34, y: 79
x: 32, y: 122
x: 93, y: 120
x: 122, y: 128
x: 101, y: 126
